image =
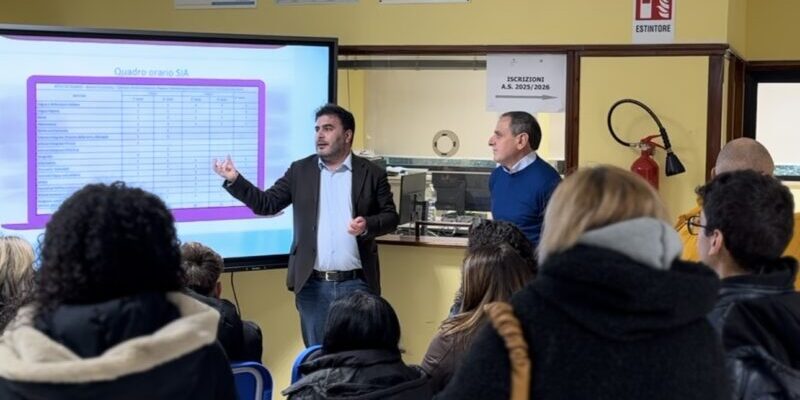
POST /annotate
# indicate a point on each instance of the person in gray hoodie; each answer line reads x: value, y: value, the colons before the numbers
x: 612, y: 314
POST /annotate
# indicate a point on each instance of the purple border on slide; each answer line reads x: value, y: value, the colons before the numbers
x: 36, y: 220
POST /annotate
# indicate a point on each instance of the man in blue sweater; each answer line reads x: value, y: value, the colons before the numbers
x: 522, y: 183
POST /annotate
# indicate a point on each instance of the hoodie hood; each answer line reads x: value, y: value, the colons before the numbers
x: 88, y: 330
x: 29, y: 355
x: 648, y: 241
x: 617, y: 297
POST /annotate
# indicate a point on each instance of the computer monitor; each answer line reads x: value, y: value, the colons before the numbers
x: 478, y: 198
x: 450, y: 191
x: 412, y: 196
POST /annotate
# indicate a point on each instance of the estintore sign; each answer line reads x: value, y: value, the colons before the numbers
x: 526, y: 82
x: 653, y: 21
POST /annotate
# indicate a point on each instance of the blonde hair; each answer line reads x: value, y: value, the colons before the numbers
x: 592, y: 198
x: 16, y: 268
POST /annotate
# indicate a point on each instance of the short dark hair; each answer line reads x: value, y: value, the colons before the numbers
x: 202, y: 266
x: 754, y: 212
x: 525, y: 122
x: 106, y: 242
x: 492, y: 233
x: 346, y: 117
x: 361, y: 320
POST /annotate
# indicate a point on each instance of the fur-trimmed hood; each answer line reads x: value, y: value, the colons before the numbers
x: 29, y: 355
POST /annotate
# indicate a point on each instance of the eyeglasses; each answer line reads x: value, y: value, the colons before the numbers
x: 693, y: 225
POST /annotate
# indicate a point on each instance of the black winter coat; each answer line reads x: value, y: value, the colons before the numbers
x: 152, y: 346
x: 602, y: 326
x: 241, y: 341
x: 758, y: 317
x: 359, y: 375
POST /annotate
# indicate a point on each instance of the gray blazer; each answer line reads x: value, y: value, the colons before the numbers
x: 372, y: 199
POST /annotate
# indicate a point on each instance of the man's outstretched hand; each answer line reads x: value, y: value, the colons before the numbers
x: 225, y: 169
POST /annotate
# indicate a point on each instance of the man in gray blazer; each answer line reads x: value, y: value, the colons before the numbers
x: 341, y: 203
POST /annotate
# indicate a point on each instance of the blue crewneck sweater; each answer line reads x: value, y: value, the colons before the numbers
x: 521, y: 198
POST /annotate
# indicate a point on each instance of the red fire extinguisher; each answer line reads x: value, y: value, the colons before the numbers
x: 645, y: 166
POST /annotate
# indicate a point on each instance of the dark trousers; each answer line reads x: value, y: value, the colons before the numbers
x: 313, y: 301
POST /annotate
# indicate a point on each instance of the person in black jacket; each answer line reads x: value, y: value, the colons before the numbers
x: 360, y: 356
x: 242, y: 340
x: 108, y: 319
x: 745, y: 224
x: 612, y: 314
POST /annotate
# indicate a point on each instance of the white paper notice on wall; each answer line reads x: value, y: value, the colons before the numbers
x: 653, y: 21
x: 215, y: 4
x: 526, y: 82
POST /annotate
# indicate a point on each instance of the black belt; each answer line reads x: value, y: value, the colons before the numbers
x: 337, y: 276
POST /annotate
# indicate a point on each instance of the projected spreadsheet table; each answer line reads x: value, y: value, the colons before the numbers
x: 156, y: 134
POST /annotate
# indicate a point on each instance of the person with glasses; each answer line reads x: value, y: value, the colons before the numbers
x: 742, y: 231
x: 738, y: 154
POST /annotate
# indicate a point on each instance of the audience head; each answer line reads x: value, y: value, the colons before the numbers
x: 105, y: 242
x: 202, y: 267
x: 16, y: 268
x: 592, y: 198
x: 490, y: 232
x: 361, y: 321
x: 334, y: 127
x: 747, y: 221
x: 744, y: 153
x: 490, y: 273
x: 16, y: 276
x: 516, y: 134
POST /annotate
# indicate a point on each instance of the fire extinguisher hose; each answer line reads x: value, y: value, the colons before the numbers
x: 661, y: 129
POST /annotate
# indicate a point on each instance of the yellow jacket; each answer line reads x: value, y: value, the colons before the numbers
x: 690, y: 241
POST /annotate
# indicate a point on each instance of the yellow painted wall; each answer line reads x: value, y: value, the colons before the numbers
x: 737, y: 25
x: 795, y: 188
x: 772, y: 30
x: 405, y: 109
x: 350, y: 95
x: 419, y: 283
x: 369, y: 22
x: 675, y: 88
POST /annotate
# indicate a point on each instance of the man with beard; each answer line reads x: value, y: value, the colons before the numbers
x: 341, y: 203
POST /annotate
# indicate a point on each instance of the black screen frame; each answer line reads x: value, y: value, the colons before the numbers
x: 232, y: 264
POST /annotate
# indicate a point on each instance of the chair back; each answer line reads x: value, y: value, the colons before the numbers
x: 253, y: 381
x: 301, y: 358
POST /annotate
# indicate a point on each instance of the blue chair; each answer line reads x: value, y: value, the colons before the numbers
x: 253, y: 381
x: 301, y: 358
